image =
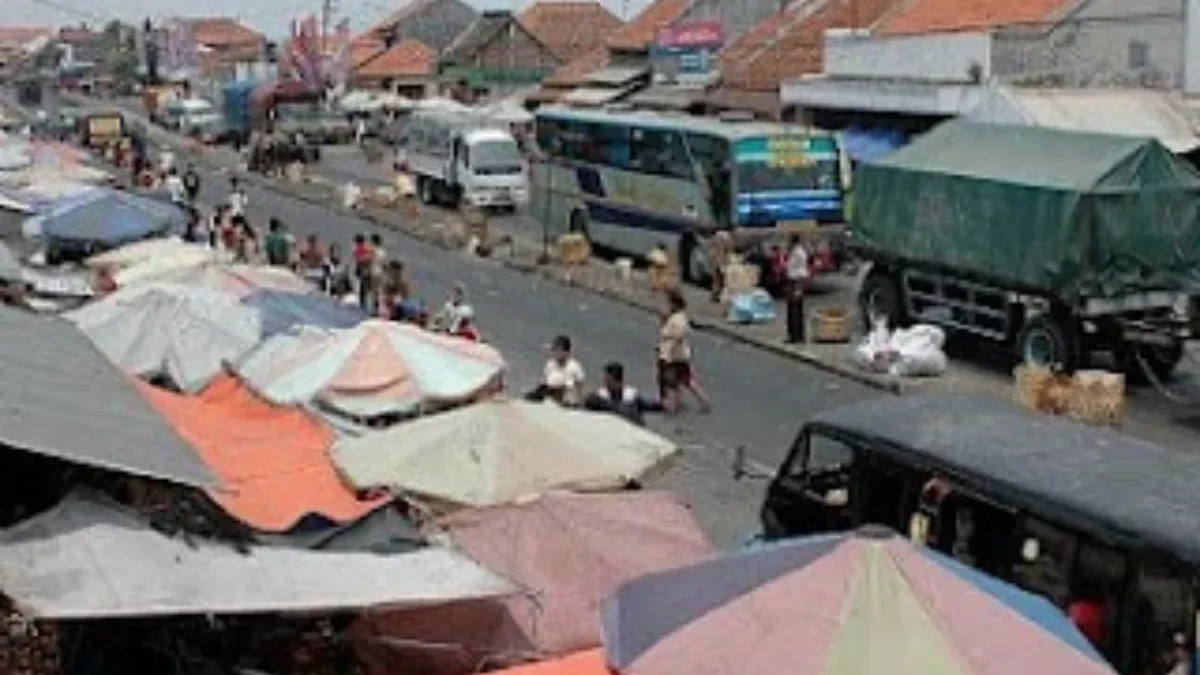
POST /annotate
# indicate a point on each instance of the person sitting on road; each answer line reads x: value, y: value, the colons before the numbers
x: 620, y: 399
x: 562, y: 377
x: 448, y: 318
x: 466, y: 325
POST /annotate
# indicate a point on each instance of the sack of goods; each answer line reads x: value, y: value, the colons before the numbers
x: 905, y: 352
x: 753, y: 306
x: 739, y: 278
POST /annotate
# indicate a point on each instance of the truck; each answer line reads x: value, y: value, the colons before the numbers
x: 103, y: 129
x: 457, y: 158
x: 1056, y: 244
x: 282, y: 106
x: 235, y: 109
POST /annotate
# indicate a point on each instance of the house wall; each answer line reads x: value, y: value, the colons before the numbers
x: 1100, y: 43
x: 949, y: 57
x: 437, y: 25
x: 514, y: 49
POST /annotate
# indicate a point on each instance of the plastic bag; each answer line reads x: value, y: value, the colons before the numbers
x: 918, y: 352
x: 874, y: 352
x: 753, y: 306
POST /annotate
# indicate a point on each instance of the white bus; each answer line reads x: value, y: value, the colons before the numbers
x: 631, y: 180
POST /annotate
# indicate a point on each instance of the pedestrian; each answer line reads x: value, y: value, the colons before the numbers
x: 360, y: 131
x: 562, y: 377
x: 238, y: 201
x: 191, y: 184
x: 675, y: 357
x: 339, y: 284
x: 277, y: 245
x: 448, y: 318
x: 216, y: 225
x: 618, y: 398
x: 246, y: 247
x: 797, y: 282
x: 313, y: 265
x: 379, y: 262
x: 466, y: 328
x: 363, y: 257
x: 174, y: 185
x: 193, y: 230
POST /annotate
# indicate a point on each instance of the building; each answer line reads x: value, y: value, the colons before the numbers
x: 497, y: 52
x: 929, y: 60
x: 409, y: 68
x: 570, y: 29
x: 434, y: 23
x: 223, y: 45
x: 19, y: 43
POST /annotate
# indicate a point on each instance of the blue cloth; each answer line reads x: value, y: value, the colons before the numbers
x: 754, y: 306
x: 111, y: 217
x: 864, y: 145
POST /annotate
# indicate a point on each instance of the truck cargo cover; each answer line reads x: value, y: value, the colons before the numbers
x: 1072, y: 214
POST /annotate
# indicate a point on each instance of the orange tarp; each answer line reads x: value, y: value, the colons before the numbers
x: 274, y: 458
x: 590, y: 662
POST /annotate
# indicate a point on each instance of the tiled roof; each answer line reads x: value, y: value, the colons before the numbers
x: 639, y: 33
x: 575, y: 72
x: 363, y: 49
x: 408, y: 58
x: 929, y: 16
x: 223, y: 32
x: 408, y: 10
x: 482, y: 31
x: 18, y: 36
x: 791, y: 43
x: 569, y: 29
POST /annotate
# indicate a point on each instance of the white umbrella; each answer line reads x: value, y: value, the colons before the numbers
x: 180, y: 332
x: 501, y: 451
x: 155, y: 259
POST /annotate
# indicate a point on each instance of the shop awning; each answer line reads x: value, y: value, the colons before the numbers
x: 919, y: 98
x: 593, y: 96
x: 1122, y: 112
x: 88, y: 558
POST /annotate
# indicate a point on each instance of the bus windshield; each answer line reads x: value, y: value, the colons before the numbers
x: 783, y: 163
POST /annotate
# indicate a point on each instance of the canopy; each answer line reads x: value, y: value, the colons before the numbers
x: 152, y: 259
x: 567, y: 551
x: 376, y: 368
x: 284, y: 311
x: 858, y: 604
x: 63, y: 399
x: 168, y: 330
x: 112, y: 217
x: 502, y: 450
x: 239, y: 280
x: 89, y: 559
x: 273, y: 458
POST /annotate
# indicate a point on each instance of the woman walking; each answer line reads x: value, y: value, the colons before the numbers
x: 675, y: 357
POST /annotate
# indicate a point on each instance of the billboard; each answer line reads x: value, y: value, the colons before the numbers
x: 687, y: 50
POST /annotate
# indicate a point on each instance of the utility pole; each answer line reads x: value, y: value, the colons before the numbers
x: 327, y: 10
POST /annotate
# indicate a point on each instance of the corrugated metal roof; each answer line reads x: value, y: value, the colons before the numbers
x: 88, y: 558
x: 589, y: 96
x: 1123, y: 112
x: 60, y: 397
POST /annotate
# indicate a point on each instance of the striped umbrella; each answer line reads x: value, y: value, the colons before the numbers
x: 868, y: 603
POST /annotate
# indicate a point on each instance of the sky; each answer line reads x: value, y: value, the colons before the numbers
x: 268, y: 16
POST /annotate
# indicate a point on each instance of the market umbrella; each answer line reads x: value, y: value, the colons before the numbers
x: 567, y: 551
x: 154, y: 259
x: 284, y: 311
x: 376, y: 368
x: 590, y: 662
x: 502, y: 450
x: 182, y: 333
x: 111, y: 217
x: 240, y: 280
x: 864, y: 603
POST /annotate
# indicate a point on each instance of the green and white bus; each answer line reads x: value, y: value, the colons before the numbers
x: 631, y: 180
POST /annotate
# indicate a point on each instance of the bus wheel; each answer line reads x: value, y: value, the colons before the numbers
x: 692, y: 262
x: 424, y: 190
x: 578, y: 223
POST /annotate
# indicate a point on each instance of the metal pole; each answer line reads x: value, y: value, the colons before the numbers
x: 544, y: 259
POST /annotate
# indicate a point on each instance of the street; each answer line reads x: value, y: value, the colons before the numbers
x: 760, y: 399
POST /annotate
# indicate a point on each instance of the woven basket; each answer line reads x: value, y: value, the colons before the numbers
x: 832, y: 325
x: 1097, y: 397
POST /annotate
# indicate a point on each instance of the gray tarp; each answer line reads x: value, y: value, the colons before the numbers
x: 62, y: 398
x: 88, y: 558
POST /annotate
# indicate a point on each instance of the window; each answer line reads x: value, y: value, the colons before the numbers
x: 661, y: 153
x: 827, y: 454
x: 1139, y: 54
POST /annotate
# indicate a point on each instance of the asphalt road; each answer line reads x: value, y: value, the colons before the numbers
x: 760, y: 399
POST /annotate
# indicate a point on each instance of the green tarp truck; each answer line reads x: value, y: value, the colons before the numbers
x: 1058, y: 242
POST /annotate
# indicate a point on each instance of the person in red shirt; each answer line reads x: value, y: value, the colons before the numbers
x: 1090, y: 616
x: 466, y: 325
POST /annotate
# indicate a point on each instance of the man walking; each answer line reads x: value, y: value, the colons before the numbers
x: 191, y: 184
x: 797, y: 281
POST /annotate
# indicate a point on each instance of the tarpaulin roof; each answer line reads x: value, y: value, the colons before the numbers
x: 502, y: 450
x: 567, y: 551
x: 88, y: 558
x: 62, y: 398
x: 272, y: 457
x: 384, y: 531
x: 843, y: 604
x: 179, y: 332
x: 111, y: 217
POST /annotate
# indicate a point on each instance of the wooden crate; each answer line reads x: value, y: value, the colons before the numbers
x: 1097, y: 397
x: 831, y: 325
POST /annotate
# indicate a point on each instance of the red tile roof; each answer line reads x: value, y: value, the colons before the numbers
x: 223, y: 32
x: 575, y: 72
x: 792, y: 43
x: 364, y: 48
x: 639, y: 33
x: 17, y: 36
x: 930, y: 16
x: 408, y: 58
x: 569, y: 29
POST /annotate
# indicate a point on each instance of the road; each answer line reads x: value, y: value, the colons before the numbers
x: 760, y: 399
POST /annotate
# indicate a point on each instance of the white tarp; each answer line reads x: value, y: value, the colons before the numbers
x: 88, y: 558
x: 185, y: 334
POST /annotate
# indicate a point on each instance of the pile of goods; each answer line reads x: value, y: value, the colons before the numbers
x: 1089, y: 396
x: 904, y: 352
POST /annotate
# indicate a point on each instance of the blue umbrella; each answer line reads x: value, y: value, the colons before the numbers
x: 111, y: 218
x: 283, y: 311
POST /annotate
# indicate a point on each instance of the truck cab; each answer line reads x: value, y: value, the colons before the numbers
x: 456, y: 160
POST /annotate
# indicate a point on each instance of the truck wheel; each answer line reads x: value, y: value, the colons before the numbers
x: 879, y: 299
x: 1049, y: 342
x: 1134, y: 359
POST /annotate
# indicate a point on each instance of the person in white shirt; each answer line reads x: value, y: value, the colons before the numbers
x: 797, y: 281
x: 238, y: 202
x: 563, y: 376
x: 175, y: 189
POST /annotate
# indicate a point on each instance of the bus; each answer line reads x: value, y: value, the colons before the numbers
x: 629, y: 181
x: 1078, y: 514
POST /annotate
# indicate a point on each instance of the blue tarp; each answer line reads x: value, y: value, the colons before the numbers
x: 111, y: 217
x: 864, y: 145
x: 283, y: 311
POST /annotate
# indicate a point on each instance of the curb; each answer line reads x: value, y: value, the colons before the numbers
x: 292, y: 190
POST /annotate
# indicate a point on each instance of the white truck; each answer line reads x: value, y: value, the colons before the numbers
x: 459, y: 158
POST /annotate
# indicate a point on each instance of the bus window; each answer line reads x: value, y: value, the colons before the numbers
x: 1046, y: 556
x: 660, y: 153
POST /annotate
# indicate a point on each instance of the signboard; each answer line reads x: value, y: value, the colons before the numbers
x: 786, y: 152
x: 687, y: 51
